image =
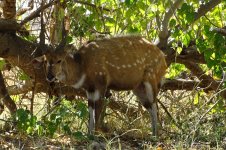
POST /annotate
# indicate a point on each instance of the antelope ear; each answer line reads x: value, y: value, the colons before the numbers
x: 38, y: 61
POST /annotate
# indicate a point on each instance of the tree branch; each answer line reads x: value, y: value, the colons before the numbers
x: 92, y: 5
x: 221, y: 31
x: 9, y: 25
x: 168, y: 15
x: 36, y: 13
x: 164, y: 33
x: 206, y: 8
x: 179, y: 84
x: 206, y: 80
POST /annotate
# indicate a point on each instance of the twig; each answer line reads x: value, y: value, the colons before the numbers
x: 197, y: 125
x: 171, y: 117
x: 8, y: 121
x: 210, y: 21
x: 24, y: 10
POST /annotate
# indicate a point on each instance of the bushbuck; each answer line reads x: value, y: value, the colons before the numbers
x: 118, y: 63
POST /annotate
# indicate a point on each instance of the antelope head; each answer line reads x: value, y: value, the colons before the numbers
x: 55, y: 66
x: 61, y: 65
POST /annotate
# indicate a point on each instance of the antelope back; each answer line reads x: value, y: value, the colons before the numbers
x: 124, y: 61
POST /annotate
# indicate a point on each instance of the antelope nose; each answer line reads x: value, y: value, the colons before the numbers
x: 50, y: 77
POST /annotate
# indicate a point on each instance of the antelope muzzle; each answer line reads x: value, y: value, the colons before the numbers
x: 50, y: 76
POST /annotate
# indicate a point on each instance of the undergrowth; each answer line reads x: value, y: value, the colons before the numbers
x: 188, y: 119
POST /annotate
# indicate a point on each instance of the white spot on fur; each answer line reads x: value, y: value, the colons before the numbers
x: 116, y: 58
x: 93, y: 96
x: 83, y: 52
x: 143, y: 59
x: 100, y: 73
x: 118, y: 67
x: 129, y: 66
x: 156, y: 60
x: 134, y: 64
x: 80, y: 82
x: 123, y: 66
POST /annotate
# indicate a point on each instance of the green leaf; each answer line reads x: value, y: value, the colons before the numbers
x: 218, y: 41
x: 67, y: 129
x: 79, y: 135
x: 186, y: 39
x: 196, y: 98
x: 23, y: 76
x: 82, y: 111
x: 207, y: 29
x: 127, y: 2
x: 2, y: 64
x: 190, y: 16
x: 40, y: 129
x: 201, y: 44
x: 172, y: 23
x: 176, y: 33
x: 22, y: 115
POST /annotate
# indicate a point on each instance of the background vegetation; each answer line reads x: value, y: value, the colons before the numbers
x: 40, y: 115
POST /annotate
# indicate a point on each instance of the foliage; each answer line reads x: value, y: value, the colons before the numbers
x: 2, y: 63
x: 60, y: 119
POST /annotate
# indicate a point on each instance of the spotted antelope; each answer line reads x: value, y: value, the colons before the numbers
x: 119, y: 63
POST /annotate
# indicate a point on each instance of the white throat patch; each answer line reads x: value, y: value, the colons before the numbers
x: 80, y: 82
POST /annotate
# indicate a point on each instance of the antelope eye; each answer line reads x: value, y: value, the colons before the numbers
x: 59, y: 61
